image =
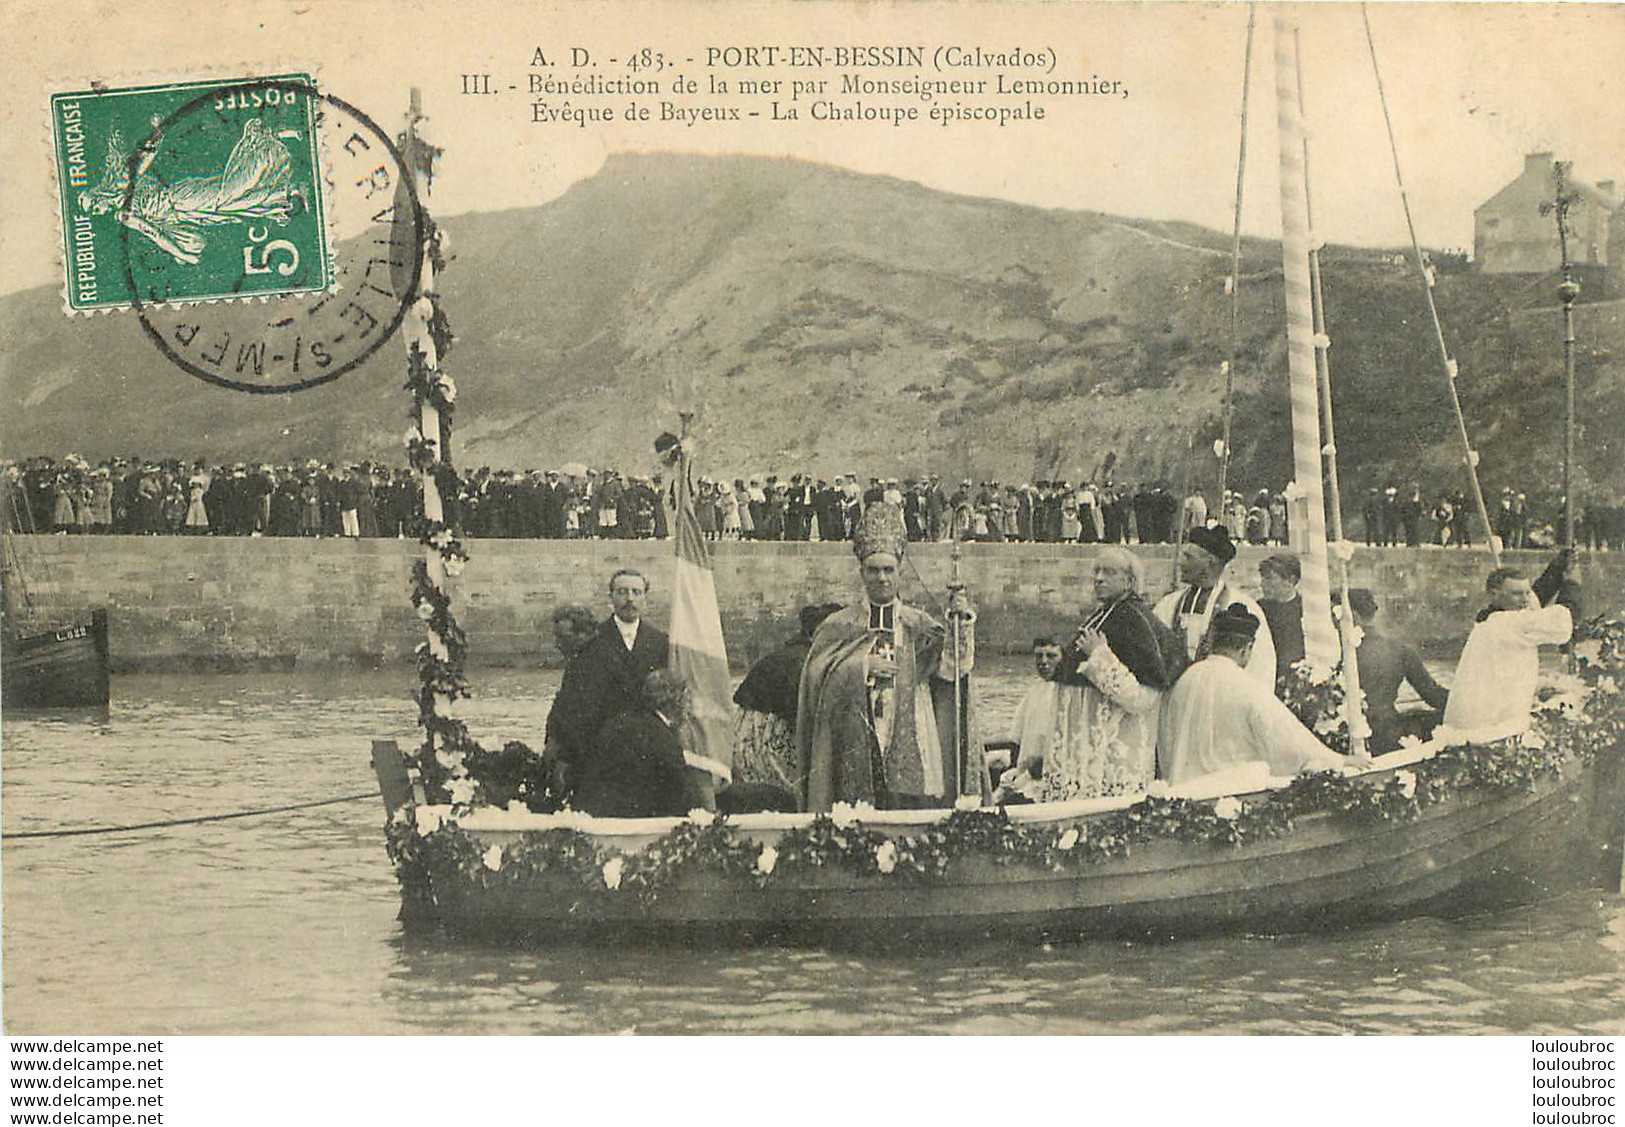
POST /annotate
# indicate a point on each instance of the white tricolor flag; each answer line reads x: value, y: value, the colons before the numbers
x: 698, y: 654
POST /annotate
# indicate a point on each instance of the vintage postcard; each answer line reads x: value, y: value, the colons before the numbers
x: 835, y: 518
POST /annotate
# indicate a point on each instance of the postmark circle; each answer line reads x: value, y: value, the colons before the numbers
x: 222, y: 174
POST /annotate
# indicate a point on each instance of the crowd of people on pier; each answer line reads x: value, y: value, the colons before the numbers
x: 362, y: 499
x: 869, y: 702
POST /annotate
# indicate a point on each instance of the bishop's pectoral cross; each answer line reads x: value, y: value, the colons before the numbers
x: 883, y: 688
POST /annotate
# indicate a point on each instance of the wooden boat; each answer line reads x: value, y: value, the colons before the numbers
x: 1436, y: 827
x: 47, y: 664
x: 1467, y: 852
x: 65, y: 667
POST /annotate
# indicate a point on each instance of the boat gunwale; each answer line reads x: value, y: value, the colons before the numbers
x: 556, y: 904
x: 613, y: 831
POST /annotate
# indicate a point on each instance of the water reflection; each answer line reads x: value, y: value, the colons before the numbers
x: 288, y: 924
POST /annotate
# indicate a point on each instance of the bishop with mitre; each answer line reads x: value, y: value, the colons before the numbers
x: 875, y: 721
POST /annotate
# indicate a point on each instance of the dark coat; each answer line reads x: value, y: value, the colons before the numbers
x: 635, y: 770
x: 1384, y: 664
x: 604, y: 680
x: 1137, y: 638
x: 774, y: 683
x: 1286, y: 631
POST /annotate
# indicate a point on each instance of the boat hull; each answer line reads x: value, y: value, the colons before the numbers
x: 63, y: 668
x: 1464, y: 854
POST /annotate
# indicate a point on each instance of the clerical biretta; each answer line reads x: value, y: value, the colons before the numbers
x: 875, y: 721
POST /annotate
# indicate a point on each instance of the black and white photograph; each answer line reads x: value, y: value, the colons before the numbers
x: 830, y: 520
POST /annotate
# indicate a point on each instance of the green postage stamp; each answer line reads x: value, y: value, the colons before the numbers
x: 190, y: 192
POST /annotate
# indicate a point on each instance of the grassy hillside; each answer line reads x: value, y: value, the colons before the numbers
x: 828, y: 321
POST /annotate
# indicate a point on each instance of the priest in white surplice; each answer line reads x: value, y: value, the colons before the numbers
x: 1190, y: 607
x: 1218, y: 716
x: 1495, y: 678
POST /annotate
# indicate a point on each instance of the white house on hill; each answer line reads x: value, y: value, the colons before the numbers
x: 1511, y: 236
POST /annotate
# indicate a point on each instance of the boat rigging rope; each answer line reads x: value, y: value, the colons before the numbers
x: 9, y: 836
x: 1234, y: 281
x: 1450, y: 366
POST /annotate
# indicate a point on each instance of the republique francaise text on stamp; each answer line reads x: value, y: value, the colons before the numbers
x: 199, y: 206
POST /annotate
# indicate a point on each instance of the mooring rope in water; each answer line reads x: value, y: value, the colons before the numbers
x: 9, y: 836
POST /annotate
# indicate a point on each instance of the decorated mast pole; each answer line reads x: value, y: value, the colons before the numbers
x: 699, y: 652
x: 1309, y: 521
x: 1353, y: 698
x: 440, y: 760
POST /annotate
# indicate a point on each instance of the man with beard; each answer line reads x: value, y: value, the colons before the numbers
x: 606, y: 677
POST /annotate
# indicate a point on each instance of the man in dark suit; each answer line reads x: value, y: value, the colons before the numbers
x: 606, y: 678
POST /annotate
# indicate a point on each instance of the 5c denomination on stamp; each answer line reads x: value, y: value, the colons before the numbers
x: 267, y: 234
x: 221, y: 203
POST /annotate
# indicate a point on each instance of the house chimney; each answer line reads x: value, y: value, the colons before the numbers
x: 1606, y: 187
x: 1539, y: 163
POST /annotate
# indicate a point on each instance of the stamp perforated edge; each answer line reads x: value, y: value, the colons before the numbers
x: 202, y: 78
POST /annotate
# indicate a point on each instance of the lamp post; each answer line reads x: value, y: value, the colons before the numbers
x: 1567, y: 291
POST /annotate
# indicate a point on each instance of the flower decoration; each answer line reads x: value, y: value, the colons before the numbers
x: 767, y: 860
x: 462, y: 790
x: 429, y: 851
x: 701, y: 816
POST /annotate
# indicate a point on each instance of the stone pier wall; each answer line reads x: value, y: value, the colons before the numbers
x: 227, y: 603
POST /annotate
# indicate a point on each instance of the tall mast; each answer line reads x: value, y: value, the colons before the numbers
x: 1319, y: 643
x: 1353, y: 698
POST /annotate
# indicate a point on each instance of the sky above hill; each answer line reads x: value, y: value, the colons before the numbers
x: 1472, y: 88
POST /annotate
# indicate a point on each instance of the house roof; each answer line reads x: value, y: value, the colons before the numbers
x: 1518, y: 187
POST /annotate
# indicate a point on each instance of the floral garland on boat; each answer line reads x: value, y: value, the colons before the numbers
x: 1574, y: 720
x: 449, y: 764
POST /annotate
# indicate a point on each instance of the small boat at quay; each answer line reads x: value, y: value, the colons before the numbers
x: 61, y: 667
x: 47, y: 661
x: 1461, y: 823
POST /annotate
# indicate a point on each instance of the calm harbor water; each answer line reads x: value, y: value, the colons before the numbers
x: 287, y: 924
